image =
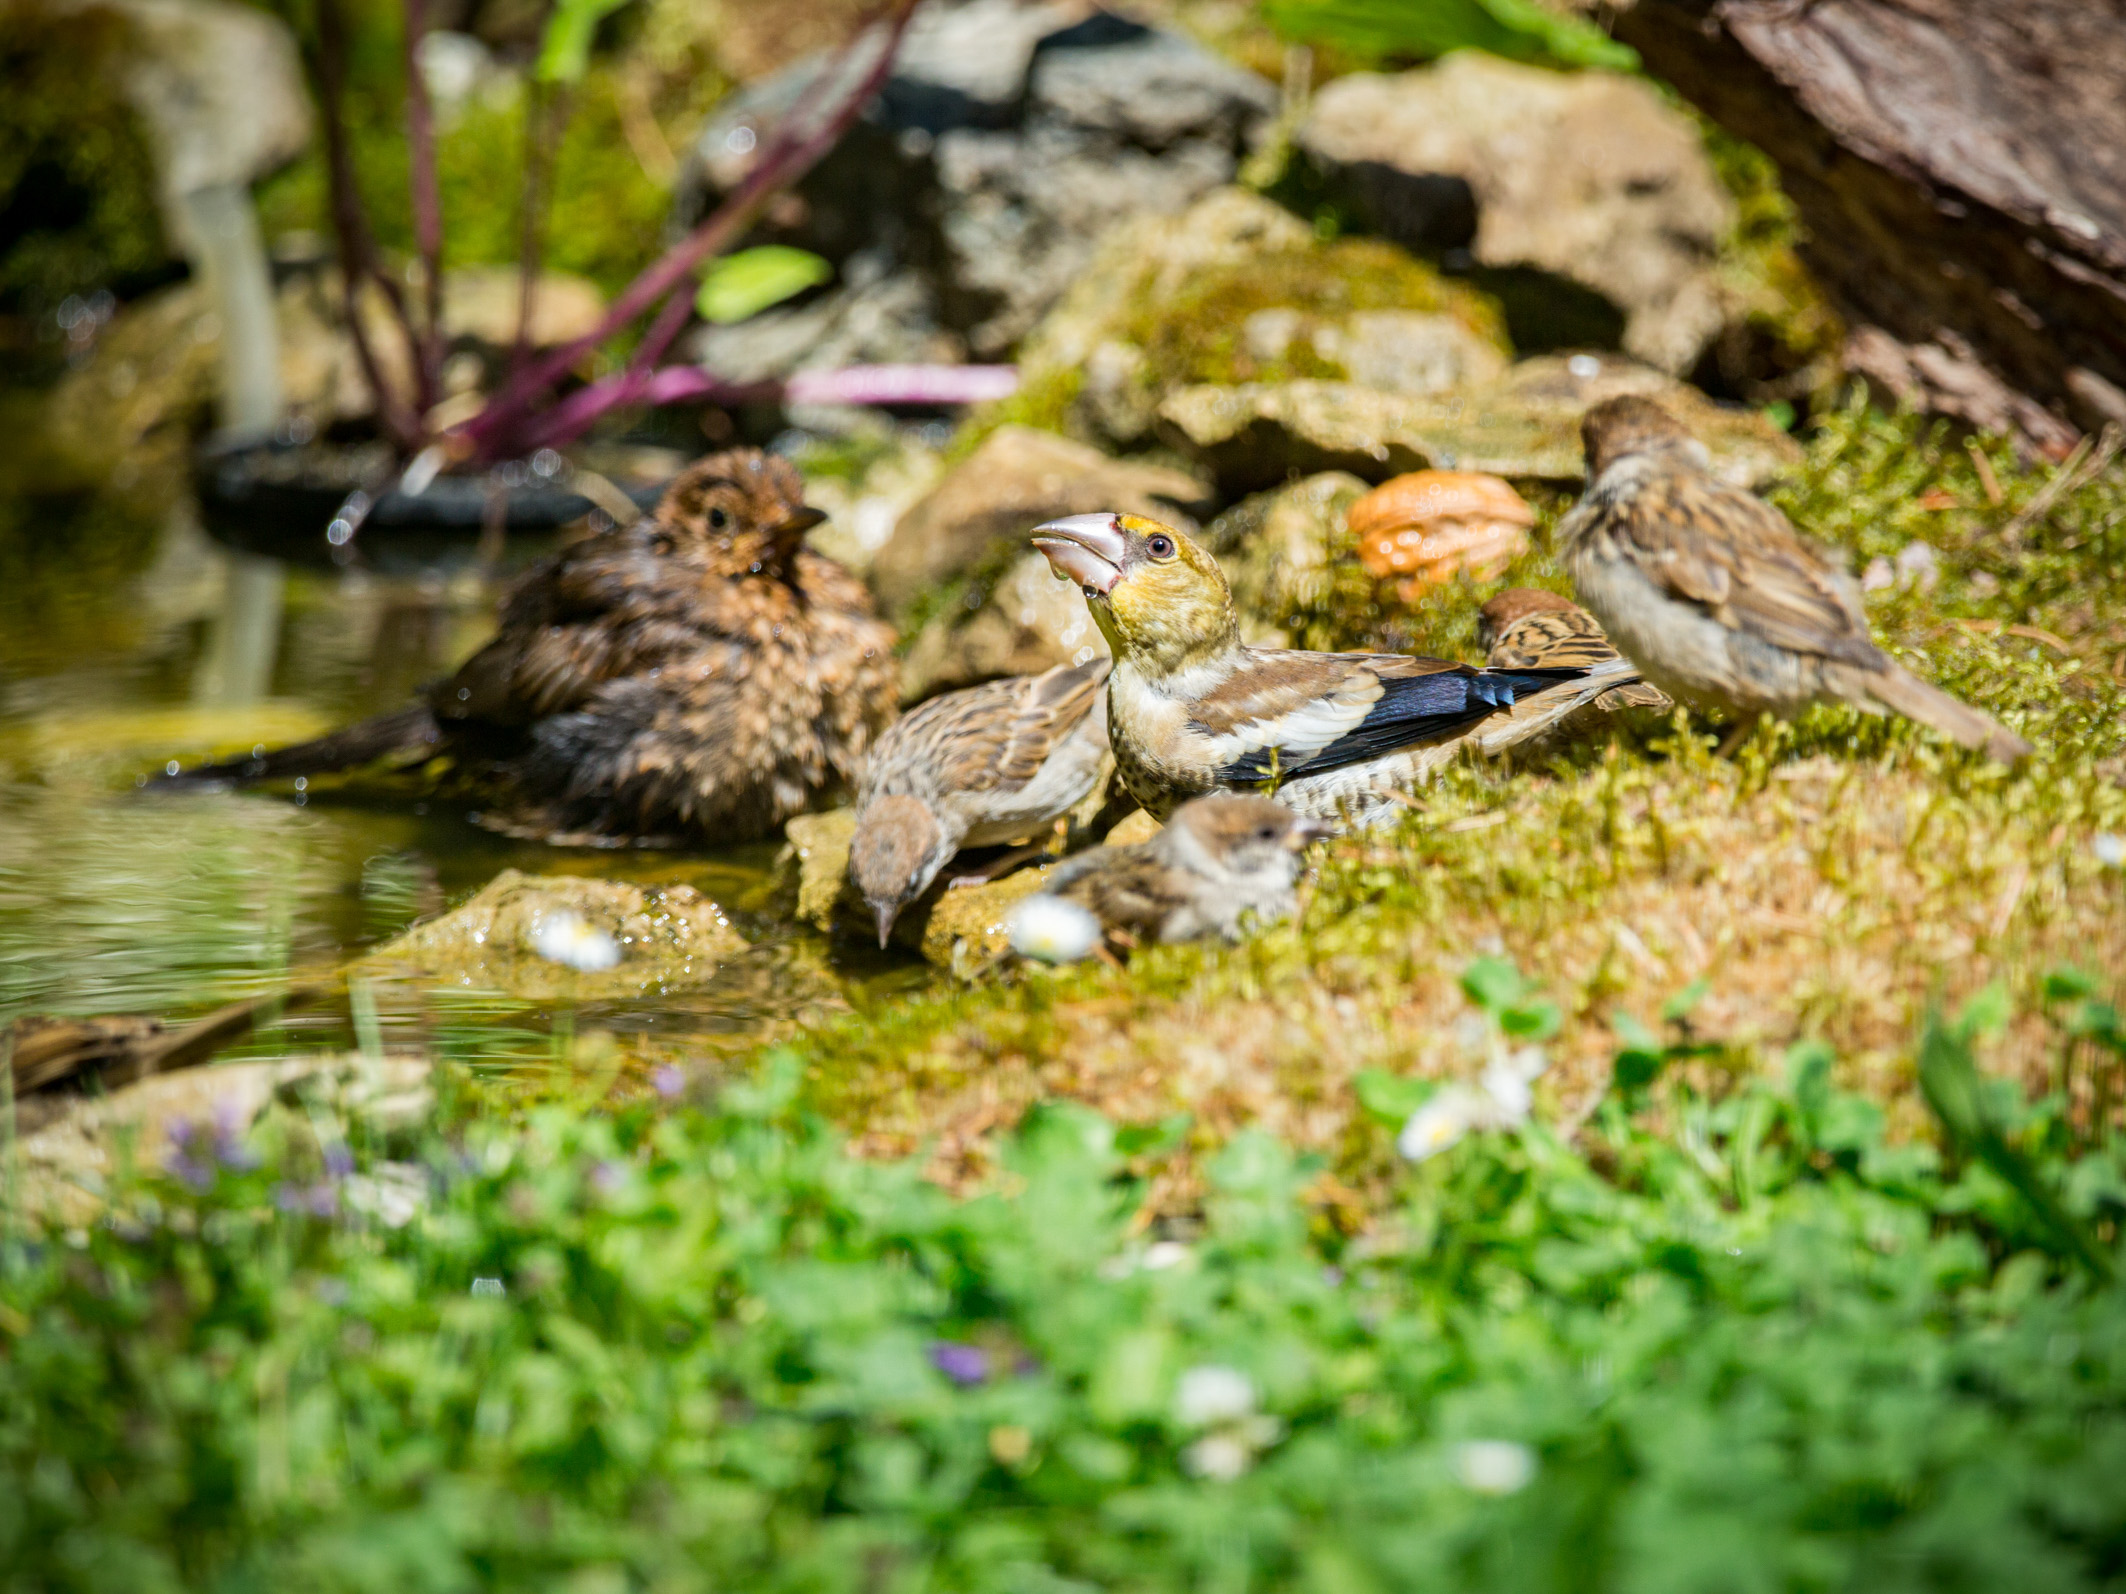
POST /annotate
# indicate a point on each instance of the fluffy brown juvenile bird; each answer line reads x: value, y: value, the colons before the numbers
x: 700, y: 673
x: 1526, y: 628
x: 1717, y: 598
x: 1217, y: 860
x: 990, y: 764
x: 1192, y: 709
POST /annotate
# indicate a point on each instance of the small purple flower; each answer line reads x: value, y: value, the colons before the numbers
x: 198, y: 1176
x: 965, y: 1365
x: 668, y: 1081
x: 604, y: 1178
x: 313, y: 1200
x: 339, y: 1161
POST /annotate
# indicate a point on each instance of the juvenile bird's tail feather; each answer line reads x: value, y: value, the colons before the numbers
x: 1536, y: 713
x: 403, y: 731
x: 1931, y: 706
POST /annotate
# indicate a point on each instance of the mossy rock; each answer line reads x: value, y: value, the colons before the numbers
x: 1525, y: 425
x: 669, y: 938
x: 1284, y: 550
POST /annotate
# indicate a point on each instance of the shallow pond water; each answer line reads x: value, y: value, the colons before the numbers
x: 117, y: 900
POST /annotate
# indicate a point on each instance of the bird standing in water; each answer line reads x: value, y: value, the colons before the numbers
x: 1217, y: 860
x: 990, y: 764
x: 1192, y: 709
x: 698, y: 674
x: 1712, y: 592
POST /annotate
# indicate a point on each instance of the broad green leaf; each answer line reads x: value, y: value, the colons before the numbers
x: 565, y: 51
x: 1531, y: 1021
x: 1493, y: 983
x: 1391, y: 1098
x: 744, y: 284
x: 1678, y: 1007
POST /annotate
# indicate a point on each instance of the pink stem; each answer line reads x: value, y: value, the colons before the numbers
x: 787, y: 159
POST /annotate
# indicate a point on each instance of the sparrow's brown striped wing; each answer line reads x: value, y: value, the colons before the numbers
x: 1569, y: 639
x: 1736, y: 555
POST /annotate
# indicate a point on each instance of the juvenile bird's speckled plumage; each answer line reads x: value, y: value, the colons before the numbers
x: 1717, y: 598
x: 990, y: 764
x: 1191, y: 709
x: 1526, y: 628
x: 1219, y: 860
x: 699, y: 673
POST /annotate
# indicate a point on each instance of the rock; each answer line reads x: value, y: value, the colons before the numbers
x: 816, y: 848
x: 1024, y: 622
x: 1525, y: 425
x: 548, y: 937
x: 969, y: 927
x: 1007, y: 139
x: 480, y: 306
x: 68, y: 1162
x: 878, y: 316
x: 1133, y: 828
x: 1016, y: 479
x: 865, y: 503
x: 1159, y: 305
x: 1280, y: 548
x: 1585, y: 174
x: 222, y: 88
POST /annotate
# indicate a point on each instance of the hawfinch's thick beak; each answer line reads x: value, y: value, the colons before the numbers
x: 1087, y: 549
x: 800, y: 520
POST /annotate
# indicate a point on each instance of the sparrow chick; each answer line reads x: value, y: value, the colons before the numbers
x: 1192, y: 709
x: 990, y: 764
x: 700, y: 672
x: 1717, y: 598
x: 1217, y: 859
x: 1526, y: 628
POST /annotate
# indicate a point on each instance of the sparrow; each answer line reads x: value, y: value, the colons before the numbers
x: 1192, y: 709
x: 700, y: 672
x: 1524, y: 628
x: 1719, y: 600
x: 989, y: 764
x: 1219, y: 858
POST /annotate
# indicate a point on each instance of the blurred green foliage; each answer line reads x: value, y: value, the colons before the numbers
x: 709, y: 1349
x: 77, y: 186
x: 1377, y: 31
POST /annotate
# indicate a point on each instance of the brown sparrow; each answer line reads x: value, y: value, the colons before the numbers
x: 1218, y: 860
x: 1716, y: 597
x: 990, y: 764
x: 1525, y: 628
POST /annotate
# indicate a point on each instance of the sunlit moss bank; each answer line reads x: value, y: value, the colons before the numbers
x: 1841, y: 875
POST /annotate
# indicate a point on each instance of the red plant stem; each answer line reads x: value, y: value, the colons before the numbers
x: 350, y: 225
x: 427, y: 210
x: 497, y: 428
x: 569, y: 421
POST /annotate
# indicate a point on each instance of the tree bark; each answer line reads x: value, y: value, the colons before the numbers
x: 1959, y: 167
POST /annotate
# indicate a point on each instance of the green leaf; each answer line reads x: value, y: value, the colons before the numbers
x: 1493, y: 984
x: 565, y: 51
x: 1678, y: 1007
x: 1391, y: 1098
x: 2067, y: 984
x: 1531, y: 1021
x: 1986, y: 1013
x: 744, y: 284
x: 1808, y: 1076
x: 1377, y: 30
x: 1636, y: 1067
x: 1138, y: 1140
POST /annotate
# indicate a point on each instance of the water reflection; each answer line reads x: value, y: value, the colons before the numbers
x: 114, y: 900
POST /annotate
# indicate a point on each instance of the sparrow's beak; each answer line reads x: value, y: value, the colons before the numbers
x: 886, y: 916
x: 1087, y: 549
x: 1309, y: 831
x: 799, y: 521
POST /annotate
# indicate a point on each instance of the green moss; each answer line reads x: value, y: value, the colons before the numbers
x: 77, y: 182
x: 1043, y: 401
x: 1198, y: 333
x: 1832, y: 879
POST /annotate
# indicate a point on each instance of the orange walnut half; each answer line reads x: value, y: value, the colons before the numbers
x: 1432, y: 524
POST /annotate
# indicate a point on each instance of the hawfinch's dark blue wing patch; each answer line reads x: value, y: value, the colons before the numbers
x: 1412, y: 709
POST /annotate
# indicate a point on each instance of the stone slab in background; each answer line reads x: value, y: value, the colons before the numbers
x: 1526, y: 425
x: 1587, y: 175
x: 1016, y: 479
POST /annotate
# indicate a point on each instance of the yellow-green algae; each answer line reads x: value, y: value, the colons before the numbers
x: 1838, y: 877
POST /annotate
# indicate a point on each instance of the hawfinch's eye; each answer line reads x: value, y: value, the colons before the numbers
x: 1160, y: 547
x: 718, y: 519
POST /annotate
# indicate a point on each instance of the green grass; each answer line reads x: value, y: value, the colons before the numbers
x: 707, y: 1348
